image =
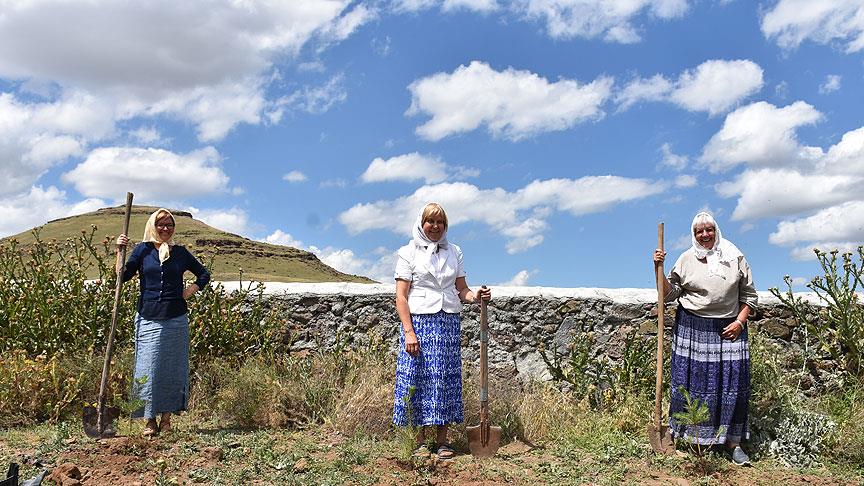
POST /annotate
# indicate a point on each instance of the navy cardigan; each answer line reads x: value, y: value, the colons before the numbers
x: 161, y: 294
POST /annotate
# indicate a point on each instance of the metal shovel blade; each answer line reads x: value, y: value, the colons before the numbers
x: 91, y: 419
x: 661, y: 439
x: 483, y: 445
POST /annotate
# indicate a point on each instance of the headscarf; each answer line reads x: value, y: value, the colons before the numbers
x: 150, y: 234
x: 426, y: 247
x: 722, y: 252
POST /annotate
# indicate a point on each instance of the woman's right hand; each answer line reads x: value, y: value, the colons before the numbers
x: 122, y: 240
x: 412, y: 346
x: 659, y: 256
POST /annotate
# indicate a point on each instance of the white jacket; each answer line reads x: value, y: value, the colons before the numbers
x: 431, y: 290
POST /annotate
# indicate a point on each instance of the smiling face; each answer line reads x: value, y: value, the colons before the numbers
x: 434, y: 227
x: 706, y: 234
x: 165, y: 227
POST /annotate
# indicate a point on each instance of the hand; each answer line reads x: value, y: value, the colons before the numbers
x: 412, y: 346
x: 189, y: 291
x: 122, y: 240
x: 484, y: 293
x: 659, y: 256
x: 733, y: 330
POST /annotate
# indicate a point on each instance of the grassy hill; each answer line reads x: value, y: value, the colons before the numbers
x: 258, y: 261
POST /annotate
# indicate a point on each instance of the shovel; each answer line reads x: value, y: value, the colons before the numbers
x: 98, y: 422
x: 659, y: 435
x: 483, y: 439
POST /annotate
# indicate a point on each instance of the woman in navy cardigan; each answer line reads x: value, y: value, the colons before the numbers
x: 161, y: 378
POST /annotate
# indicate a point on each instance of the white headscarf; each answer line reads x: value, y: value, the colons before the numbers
x: 426, y: 247
x: 722, y: 252
x: 151, y: 234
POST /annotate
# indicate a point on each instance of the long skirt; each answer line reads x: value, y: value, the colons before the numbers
x: 714, y: 371
x: 161, y: 379
x: 429, y: 386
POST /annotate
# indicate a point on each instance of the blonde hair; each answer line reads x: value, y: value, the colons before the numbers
x: 431, y: 210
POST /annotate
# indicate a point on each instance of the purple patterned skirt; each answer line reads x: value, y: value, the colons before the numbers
x: 715, y: 371
x: 433, y: 379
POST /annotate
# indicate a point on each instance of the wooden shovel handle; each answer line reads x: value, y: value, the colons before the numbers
x: 484, y: 372
x: 109, y: 348
x: 658, y: 268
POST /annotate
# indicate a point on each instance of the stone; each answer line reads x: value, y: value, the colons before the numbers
x: 776, y: 328
x: 212, y: 453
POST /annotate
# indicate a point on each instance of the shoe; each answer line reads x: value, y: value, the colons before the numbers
x: 739, y: 457
x: 165, y: 423
x: 151, y: 429
x: 445, y: 451
x: 421, y: 452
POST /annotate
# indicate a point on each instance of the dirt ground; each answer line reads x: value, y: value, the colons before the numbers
x: 195, y: 455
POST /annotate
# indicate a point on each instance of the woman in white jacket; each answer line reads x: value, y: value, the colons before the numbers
x: 430, y: 290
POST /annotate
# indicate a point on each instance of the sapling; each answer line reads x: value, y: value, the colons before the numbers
x: 695, y: 412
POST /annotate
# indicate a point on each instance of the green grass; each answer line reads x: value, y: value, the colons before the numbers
x: 231, y: 253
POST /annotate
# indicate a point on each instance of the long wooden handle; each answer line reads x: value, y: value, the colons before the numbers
x: 109, y: 348
x: 484, y: 373
x: 658, y: 268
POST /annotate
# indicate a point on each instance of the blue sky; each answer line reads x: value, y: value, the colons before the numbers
x: 556, y: 133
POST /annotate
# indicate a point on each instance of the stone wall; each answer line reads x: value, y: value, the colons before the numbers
x: 519, y: 320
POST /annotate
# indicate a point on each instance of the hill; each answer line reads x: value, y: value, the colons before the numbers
x: 230, y: 252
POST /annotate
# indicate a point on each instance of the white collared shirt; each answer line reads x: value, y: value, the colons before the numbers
x: 433, y: 285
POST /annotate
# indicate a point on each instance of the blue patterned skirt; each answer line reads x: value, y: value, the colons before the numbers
x: 715, y: 371
x: 435, y: 375
x: 161, y: 379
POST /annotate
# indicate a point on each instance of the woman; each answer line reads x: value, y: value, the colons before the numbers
x: 161, y: 378
x: 710, y: 355
x: 430, y: 290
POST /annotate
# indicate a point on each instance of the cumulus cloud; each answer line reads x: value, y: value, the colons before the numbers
x: 234, y: 220
x: 408, y: 167
x: 613, y: 21
x: 714, y: 87
x: 483, y: 6
x: 520, y: 279
x: 760, y: 134
x: 38, y: 206
x: 844, y: 222
x: 312, y: 99
x: 670, y: 159
x: 519, y: 216
x: 143, y: 59
x: 831, y: 84
x: 684, y: 181
x: 791, y: 22
x: 513, y: 104
x: 152, y: 174
x: 294, y: 176
x: 280, y: 237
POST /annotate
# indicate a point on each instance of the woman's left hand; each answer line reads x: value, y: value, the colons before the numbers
x: 733, y: 330
x: 189, y: 291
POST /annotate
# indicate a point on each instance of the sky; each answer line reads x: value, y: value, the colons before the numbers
x: 556, y: 134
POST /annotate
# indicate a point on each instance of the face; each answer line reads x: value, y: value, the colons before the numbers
x: 165, y: 227
x: 434, y: 227
x: 705, y: 234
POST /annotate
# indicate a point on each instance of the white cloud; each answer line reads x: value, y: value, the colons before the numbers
x: 38, y: 206
x: 831, y: 84
x: 684, y: 181
x: 234, y: 220
x: 482, y: 6
x: 314, y: 99
x: 337, y: 183
x: 782, y: 192
x: 791, y: 22
x: 152, y: 174
x: 143, y: 59
x: 148, y: 136
x: 280, y: 237
x: 520, y: 279
x: 513, y: 104
x: 408, y: 167
x: 36, y: 136
x: 519, y: 216
x: 806, y: 253
x: 846, y: 157
x: 670, y: 159
x: 714, y: 87
x: 294, y: 176
x: 844, y: 222
x: 610, y: 19
x: 799, y: 281
x: 760, y: 134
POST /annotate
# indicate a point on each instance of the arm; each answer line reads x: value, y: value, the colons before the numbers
x: 133, y: 264
x: 747, y: 300
x: 412, y: 346
x: 200, y: 271
x: 468, y: 296
x: 671, y: 289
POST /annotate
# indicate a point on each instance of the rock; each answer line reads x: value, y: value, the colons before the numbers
x: 212, y: 453
x: 301, y: 465
x: 648, y: 327
x: 66, y: 474
x: 776, y: 328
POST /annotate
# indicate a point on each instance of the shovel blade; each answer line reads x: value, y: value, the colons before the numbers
x: 91, y: 418
x: 661, y: 439
x: 476, y: 444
